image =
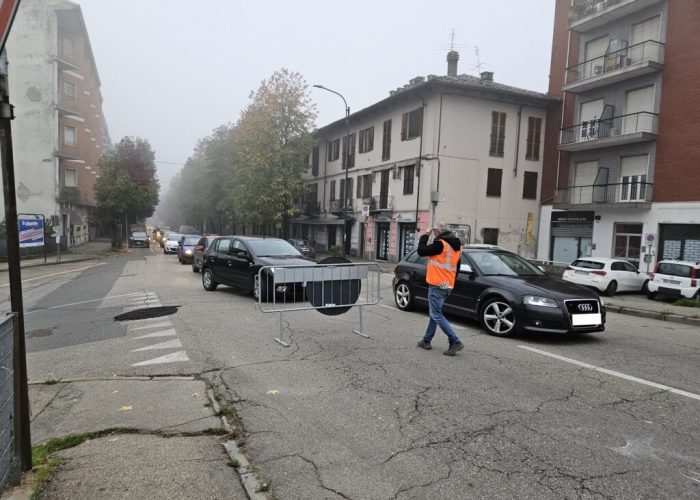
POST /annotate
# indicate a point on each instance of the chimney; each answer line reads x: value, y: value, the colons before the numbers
x: 487, y: 76
x: 452, y: 58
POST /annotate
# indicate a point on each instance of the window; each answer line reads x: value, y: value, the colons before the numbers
x: 367, y: 186
x: 534, y: 126
x: 67, y: 46
x: 634, y: 188
x: 314, y: 161
x: 628, y: 241
x: 312, y: 192
x: 69, y: 135
x: 408, y: 177
x: 490, y: 235
x: 530, y: 186
x: 358, y: 194
x: 69, y: 89
x: 351, y: 153
x: 366, y: 140
x: 386, y: 140
x: 332, y: 191
x: 223, y: 245
x: 70, y: 178
x: 498, y: 133
x: 411, y: 124
x: 345, y: 192
x: 334, y: 150
x: 493, y: 182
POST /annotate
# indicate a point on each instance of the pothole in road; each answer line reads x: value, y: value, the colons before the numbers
x: 147, y: 313
x: 44, y: 332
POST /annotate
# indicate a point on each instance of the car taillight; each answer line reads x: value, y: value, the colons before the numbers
x: 599, y: 273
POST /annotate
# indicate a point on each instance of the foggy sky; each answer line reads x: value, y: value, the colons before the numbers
x: 173, y: 70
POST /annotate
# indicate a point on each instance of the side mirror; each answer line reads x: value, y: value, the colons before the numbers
x: 541, y: 269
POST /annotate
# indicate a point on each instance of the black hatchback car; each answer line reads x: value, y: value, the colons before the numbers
x: 505, y: 293
x: 236, y: 260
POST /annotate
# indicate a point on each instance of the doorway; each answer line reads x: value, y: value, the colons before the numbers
x: 383, y: 231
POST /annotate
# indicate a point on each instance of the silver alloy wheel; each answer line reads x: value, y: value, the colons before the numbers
x: 402, y: 295
x: 208, y: 280
x: 499, y: 318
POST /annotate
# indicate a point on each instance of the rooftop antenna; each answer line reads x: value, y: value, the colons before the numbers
x: 479, y: 64
x: 452, y: 40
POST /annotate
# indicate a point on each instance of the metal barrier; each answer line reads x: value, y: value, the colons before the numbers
x: 331, y: 289
x: 7, y: 402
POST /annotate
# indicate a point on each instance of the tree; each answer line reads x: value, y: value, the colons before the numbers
x: 272, y: 137
x: 128, y: 187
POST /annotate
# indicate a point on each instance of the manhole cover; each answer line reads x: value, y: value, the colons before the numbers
x: 147, y: 312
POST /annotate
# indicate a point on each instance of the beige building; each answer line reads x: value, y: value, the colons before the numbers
x: 456, y: 148
x: 59, y: 131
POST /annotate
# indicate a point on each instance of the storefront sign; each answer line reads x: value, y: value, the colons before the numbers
x: 411, y: 217
x: 578, y: 217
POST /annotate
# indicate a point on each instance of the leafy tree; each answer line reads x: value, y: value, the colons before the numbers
x: 128, y: 186
x: 272, y: 137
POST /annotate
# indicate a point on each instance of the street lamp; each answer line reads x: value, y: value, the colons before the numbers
x: 347, y: 164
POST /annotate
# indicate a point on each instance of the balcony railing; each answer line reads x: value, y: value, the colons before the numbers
x: 633, y: 191
x: 338, y: 206
x: 602, y: 67
x: 381, y: 202
x: 310, y: 207
x: 615, y: 127
x: 589, y: 14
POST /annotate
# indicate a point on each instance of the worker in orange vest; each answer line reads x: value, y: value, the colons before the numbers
x: 443, y: 264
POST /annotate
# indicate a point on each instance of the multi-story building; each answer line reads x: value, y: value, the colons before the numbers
x: 458, y: 149
x: 59, y: 130
x: 623, y: 179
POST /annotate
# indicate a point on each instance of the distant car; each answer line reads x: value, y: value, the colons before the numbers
x: 606, y: 275
x: 675, y: 278
x: 304, y: 246
x: 200, y: 251
x: 505, y: 293
x: 163, y: 238
x: 138, y: 239
x: 236, y: 260
x: 172, y: 243
x: 185, y: 250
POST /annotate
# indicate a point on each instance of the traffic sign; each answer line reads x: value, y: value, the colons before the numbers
x: 8, y: 9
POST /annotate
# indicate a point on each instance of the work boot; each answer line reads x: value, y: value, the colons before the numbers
x: 452, y: 350
x: 425, y: 345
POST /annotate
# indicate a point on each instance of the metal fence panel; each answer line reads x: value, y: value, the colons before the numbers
x: 7, y: 400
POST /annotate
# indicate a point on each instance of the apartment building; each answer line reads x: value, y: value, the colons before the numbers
x: 59, y: 131
x: 458, y: 149
x: 623, y: 179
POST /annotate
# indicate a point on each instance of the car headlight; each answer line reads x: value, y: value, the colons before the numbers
x: 534, y: 300
x: 188, y: 252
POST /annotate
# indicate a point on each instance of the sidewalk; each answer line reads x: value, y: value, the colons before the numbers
x: 87, y: 251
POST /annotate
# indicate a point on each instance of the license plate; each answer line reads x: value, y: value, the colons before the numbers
x: 672, y: 282
x: 582, y: 273
x: 586, y: 319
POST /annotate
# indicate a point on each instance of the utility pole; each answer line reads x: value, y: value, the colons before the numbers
x: 15, y: 273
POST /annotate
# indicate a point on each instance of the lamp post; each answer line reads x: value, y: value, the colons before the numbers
x: 346, y: 237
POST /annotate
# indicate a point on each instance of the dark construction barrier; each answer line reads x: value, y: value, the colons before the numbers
x: 331, y: 287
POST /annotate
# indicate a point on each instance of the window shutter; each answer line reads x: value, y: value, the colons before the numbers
x: 371, y: 139
x: 493, y: 182
x: 404, y: 126
x: 358, y: 194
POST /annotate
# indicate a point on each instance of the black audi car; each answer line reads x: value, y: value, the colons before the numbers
x: 505, y: 293
x: 138, y: 239
x: 236, y: 260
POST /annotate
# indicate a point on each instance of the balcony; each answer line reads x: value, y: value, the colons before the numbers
x: 632, y: 62
x: 634, y: 194
x: 310, y: 207
x: 586, y: 15
x: 339, y: 206
x: 381, y: 203
x: 616, y: 131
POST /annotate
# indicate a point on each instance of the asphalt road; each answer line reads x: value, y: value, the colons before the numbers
x: 612, y: 415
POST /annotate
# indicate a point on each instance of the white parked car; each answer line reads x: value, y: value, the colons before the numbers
x: 675, y: 278
x: 172, y: 243
x: 606, y: 275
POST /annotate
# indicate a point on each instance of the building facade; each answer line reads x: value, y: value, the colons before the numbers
x: 59, y: 130
x: 458, y: 149
x: 620, y: 168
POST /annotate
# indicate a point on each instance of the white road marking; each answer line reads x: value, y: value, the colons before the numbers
x: 56, y: 274
x: 82, y: 302
x: 693, y: 478
x: 175, y: 357
x: 164, y: 333
x: 154, y: 325
x: 614, y: 373
x: 170, y: 344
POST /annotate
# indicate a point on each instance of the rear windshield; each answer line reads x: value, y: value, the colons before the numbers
x: 674, y: 269
x: 588, y: 264
x: 174, y: 237
x: 193, y: 240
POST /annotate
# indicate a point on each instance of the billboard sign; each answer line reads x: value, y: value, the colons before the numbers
x: 8, y: 9
x: 31, y: 232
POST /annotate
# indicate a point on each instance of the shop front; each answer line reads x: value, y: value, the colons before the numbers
x: 571, y: 235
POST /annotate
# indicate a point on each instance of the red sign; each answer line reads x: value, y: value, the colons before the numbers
x: 8, y: 9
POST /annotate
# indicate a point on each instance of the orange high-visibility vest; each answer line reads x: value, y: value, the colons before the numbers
x: 442, y: 268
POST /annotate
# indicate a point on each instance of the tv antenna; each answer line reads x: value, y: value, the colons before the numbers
x: 479, y: 64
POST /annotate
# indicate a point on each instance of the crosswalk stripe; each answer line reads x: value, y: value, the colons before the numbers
x: 154, y: 325
x: 170, y: 344
x: 163, y: 333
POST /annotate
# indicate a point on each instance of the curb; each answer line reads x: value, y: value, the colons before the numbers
x: 662, y: 316
x: 252, y: 485
x: 44, y: 264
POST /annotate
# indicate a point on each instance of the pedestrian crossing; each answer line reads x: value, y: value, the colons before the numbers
x: 153, y: 334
